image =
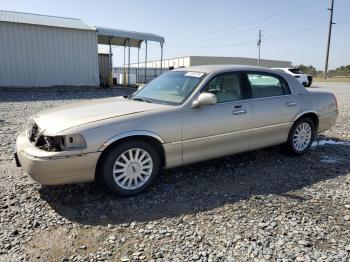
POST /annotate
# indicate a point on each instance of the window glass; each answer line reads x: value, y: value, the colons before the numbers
x: 226, y: 87
x: 266, y: 85
x: 170, y: 88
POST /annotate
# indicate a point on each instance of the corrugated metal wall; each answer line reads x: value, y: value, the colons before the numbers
x: 212, y: 60
x: 205, y: 60
x: 32, y: 55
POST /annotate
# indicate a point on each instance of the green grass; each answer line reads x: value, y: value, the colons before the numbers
x: 332, y: 79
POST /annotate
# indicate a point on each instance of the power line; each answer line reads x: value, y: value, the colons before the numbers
x: 194, y: 43
x: 274, y: 15
x: 253, y: 43
x: 296, y: 32
x: 223, y: 36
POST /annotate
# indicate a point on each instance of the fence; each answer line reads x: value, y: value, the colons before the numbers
x: 142, y: 76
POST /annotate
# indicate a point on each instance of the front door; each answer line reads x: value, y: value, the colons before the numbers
x: 220, y: 129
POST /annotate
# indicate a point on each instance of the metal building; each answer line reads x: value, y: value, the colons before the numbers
x: 212, y: 60
x: 38, y: 50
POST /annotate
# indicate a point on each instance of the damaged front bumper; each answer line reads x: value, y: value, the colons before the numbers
x: 54, y: 168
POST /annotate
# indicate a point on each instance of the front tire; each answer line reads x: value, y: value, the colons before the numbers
x: 301, y: 136
x: 130, y: 168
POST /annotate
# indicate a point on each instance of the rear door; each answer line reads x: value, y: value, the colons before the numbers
x: 274, y: 108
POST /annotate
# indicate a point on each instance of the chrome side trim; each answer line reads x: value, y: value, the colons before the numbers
x: 231, y: 133
x: 305, y: 112
x: 130, y: 134
x: 51, y: 157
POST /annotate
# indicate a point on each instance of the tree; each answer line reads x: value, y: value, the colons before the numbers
x: 338, y: 72
x: 307, y: 69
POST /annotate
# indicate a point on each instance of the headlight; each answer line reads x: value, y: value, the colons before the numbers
x: 61, y: 143
x: 71, y: 142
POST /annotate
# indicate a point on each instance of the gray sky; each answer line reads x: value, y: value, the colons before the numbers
x: 293, y: 30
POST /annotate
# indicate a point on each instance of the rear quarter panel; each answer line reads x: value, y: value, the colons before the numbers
x: 324, y: 104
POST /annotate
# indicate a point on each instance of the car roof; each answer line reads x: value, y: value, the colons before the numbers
x: 224, y: 68
x: 294, y: 84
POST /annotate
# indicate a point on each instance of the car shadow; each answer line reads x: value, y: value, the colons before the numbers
x: 203, y: 186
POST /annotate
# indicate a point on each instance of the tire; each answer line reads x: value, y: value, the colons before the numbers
x: 305, y: 129
x: 309, y: 81
x: 129, y: 178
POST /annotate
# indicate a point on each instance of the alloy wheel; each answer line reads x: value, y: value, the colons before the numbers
x: 133, y: 168
x: 302, y: 136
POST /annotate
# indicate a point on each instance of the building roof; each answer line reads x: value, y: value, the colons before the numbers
x: 221, y: 57
x: 218, y: 68
x: 223, y: 68
x: 120, y: 37
x: 44, y: 20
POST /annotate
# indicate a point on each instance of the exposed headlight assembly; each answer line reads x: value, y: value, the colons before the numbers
x: 72, y: 142
x: 61, y: 143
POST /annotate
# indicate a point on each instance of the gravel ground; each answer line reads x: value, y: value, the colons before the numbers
x: 260, y: 206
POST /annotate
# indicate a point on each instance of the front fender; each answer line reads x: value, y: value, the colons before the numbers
x: 130, y: 134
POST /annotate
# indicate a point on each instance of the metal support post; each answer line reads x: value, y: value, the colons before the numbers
x: 146, y: 63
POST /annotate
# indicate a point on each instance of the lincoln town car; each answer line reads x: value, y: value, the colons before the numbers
x: 184, y: 116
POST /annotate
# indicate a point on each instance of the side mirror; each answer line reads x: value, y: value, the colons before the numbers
x: 205, y: 99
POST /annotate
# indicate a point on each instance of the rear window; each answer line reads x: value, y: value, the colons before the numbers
x: 263, y: 85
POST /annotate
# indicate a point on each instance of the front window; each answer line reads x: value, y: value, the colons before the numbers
x: 226, y: 87
x: 171, y: 88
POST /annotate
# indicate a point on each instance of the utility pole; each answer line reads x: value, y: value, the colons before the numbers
x: 259, y: 44
x: 329, y: 38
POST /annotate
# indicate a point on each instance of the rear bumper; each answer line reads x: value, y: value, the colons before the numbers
x: 327, y: 121
x: 50, y: 168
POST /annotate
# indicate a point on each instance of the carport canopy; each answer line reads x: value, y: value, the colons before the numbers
x: 117, y: 37
x: 106, y: 36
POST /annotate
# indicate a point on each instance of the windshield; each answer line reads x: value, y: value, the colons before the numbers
x: 170, y: 88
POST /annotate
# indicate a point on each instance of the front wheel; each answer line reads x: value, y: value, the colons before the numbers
x: 130, y: 167
x: 301, y: 136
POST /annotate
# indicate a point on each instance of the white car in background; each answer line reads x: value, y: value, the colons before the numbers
x: 303, y: 78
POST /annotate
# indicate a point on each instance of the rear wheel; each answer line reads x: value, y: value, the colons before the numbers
x: 130, y: 168
x: 309, y: 81
x: 301, y: 136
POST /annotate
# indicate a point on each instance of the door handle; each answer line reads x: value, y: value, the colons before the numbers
x: 239, y: 111
x: 292, y: 103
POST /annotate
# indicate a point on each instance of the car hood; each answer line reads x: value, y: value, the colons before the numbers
x: 60, y: 118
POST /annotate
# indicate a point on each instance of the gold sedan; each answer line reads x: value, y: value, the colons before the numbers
x: 183, y: 116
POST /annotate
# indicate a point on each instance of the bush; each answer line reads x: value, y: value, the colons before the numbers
x: 342, y: 71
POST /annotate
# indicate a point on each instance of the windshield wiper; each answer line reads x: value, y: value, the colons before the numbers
x: 141, y: 99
